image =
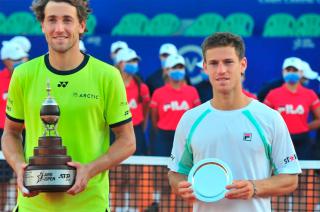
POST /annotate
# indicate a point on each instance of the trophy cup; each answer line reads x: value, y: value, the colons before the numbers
x: 48, y: 170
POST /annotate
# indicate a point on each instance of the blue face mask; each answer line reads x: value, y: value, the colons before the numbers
x: 130, y: 68
x: 291, y: 77
x: 177, y: 74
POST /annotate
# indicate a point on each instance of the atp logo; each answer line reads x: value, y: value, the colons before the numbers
x: 289, y: 109
x: 174, y: 106
x: 62, y: 84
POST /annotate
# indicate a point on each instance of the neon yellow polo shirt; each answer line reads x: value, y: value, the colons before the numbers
x: 91, y: 98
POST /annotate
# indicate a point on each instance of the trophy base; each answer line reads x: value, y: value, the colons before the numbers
x: 58, y: 178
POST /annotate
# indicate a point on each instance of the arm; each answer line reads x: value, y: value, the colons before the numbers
x: 123, y: 146
x: 145, y: 109
x: 180, y: 186
x: 154, y: 117
x: 11, y: 143
x: 274, y: 186
x: 316, y: 122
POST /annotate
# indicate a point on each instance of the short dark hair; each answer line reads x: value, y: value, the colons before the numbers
x: 82, y: 6
x: 222, y: 39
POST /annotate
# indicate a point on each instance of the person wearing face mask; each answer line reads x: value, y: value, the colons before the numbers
x: 294, y: 102
x: 204, y: 87
x: 11, y: 55
x: 168, y: 104
x: 115, y: 48
x: 157, y: 79
x: 138, y: 95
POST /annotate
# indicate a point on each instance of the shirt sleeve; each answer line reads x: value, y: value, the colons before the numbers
x: 196, y: 100
x: 145, y: 93
x: 283, y: 154
x: 155, y: 99
x: 117, y: 108
x: 268, y: 100
x: 14, y: 108
x: 315, y: 103
x: 181, y: 155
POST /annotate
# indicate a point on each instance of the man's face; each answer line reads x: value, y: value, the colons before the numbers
x: 61, y: 26
x: 224, y: 68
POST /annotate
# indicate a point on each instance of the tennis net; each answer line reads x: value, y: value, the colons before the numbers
x: 141, y: 184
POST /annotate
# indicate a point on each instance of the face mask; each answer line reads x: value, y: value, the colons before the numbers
x: 205, y: 76
x: 291, y: 78
x: 177, y: 74
x: 130, y: 68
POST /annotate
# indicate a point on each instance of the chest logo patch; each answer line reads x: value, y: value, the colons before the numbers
x: 63, y: 84
x: 247, y: 136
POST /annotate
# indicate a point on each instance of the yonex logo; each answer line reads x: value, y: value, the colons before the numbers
x: 62, y: 84
x: 126, y: 113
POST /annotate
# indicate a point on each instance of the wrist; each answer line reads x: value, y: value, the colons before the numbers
x: 254, y: 187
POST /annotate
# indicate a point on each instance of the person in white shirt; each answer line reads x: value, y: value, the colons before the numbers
x: 263, y: 164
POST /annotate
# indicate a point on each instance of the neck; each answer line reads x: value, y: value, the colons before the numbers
x: 126, y: 78
x: 176, y: 84
x: 292, y: 87
x: 65, y: 61
x: 230, y: 101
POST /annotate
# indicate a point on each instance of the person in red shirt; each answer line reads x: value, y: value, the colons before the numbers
x: 12, y: 55
x: 138, y: 98
x: 168, y: 103
x: 294, y: 102
x: 138, y: 95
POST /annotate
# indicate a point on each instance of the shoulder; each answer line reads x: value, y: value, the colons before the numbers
x: 101, y: 66
x: 263, y: 112
x: 195, y: 113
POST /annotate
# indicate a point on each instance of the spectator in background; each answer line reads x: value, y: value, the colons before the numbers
x: 308, y: 73
x: 115, y: 48
x: 294, y: 102
x: 245, y: 91
x: 138, y: 95
x: 204, y: 87
x: 168, y: 103
x: 25, y: 44
x: 157, y: 79
x: 12, y: 55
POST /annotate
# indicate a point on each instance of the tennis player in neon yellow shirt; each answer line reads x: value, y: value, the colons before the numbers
x: 92, y: 99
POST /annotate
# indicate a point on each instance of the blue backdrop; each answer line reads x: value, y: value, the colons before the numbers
x: 265, y: 55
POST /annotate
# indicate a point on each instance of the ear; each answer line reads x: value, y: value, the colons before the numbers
x: 83, y: 25
x: 243, y: 65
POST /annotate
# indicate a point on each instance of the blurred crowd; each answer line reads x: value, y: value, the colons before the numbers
x: 158, y: 103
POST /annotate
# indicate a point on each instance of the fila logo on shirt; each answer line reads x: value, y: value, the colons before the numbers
x: 62, y: 84
x: 289, y: 109
x: 133, y: 104
x: 247, y: 136
x: 5, y: 95
x: 174, y: 105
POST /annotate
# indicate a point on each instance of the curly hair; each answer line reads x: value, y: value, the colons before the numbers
x: 82, y: 6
